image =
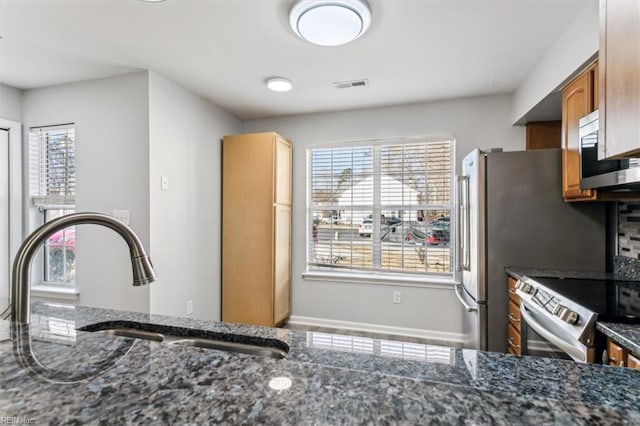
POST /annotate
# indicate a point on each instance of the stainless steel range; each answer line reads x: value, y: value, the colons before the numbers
x: 564, y: 311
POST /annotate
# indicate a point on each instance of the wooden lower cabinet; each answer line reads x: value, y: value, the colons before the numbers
x: 619, y: 356
x: 633, y: 361
x: 515, y: 339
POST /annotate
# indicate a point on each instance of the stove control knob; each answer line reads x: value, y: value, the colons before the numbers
x: 524, y: 287
x: 565, y: 314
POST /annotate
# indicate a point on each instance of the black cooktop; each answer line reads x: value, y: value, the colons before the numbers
x: 612, y: 300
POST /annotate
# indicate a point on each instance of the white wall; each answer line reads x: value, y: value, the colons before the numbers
x: 10, y: 103
x: 482, y: 122
x: 577, y: 45
x: 185, y: 134
x: 112, y: 162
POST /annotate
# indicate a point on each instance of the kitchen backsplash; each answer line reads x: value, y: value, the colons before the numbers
x: 627, y: 262
x: 629, y: 230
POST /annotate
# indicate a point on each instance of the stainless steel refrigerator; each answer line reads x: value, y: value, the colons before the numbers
x: 510, y: 213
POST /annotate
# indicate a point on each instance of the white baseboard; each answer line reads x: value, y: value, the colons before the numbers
x: 439, y: 336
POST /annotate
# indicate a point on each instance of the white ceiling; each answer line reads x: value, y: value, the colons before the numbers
x: 415, y: 50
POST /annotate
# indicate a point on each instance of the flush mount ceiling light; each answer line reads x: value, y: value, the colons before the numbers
x: 279, y: 84
x: 329, y: 22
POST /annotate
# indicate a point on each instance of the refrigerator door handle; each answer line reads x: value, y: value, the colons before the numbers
x: 463, y: 223
x: 458, y: 225
x: 458, y: 289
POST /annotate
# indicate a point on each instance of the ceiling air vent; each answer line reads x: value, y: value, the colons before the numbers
x: 352, y: 83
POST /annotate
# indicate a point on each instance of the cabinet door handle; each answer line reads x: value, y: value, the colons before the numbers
x: 513, y: 345
x: 621, y: 364
x: 512, y: 318
x: 512, y: 291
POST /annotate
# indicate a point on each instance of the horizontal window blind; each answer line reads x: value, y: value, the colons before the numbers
x: 53, y: 166
x: 383, y: 207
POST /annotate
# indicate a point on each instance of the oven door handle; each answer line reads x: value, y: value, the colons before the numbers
x: 572, y: 350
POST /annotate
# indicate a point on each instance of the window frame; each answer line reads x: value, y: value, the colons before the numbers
x: 46, y: 279
x: 376, y: 274
x: 42, y: 203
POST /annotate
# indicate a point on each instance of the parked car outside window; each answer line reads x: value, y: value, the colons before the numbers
x: 330, y: 220
x: 365, y: 228
x: 438, y: 232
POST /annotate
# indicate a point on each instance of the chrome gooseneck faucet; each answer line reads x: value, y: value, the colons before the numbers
x: 20, y: 284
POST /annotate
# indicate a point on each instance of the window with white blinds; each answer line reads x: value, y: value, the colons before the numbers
x: 53, y: 166
x: 383, y: 207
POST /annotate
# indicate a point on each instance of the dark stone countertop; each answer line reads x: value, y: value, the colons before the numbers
x: 519, y: 273
x: 82, y: 377
x: 628, y: 335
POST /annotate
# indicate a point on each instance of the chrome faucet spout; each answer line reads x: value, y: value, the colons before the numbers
x: 143, y: 272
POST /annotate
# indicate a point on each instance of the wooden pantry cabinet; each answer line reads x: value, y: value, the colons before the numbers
x: 256, y: 229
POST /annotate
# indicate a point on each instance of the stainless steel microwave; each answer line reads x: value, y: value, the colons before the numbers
x: 610, y: 174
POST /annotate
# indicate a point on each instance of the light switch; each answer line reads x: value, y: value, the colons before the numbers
x: 122, y: 215
x: 164, y: 183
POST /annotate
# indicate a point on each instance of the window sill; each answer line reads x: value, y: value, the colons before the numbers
x: 54, y: 292
x: 396, y: 280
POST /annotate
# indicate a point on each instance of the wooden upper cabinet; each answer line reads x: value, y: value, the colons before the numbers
x: 619, y: 79
x: 577, y: 101
x: 544, y: 135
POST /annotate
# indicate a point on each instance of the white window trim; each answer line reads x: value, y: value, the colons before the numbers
x: 403, y: 280
x: 430, y: 280
x: 16, y: 224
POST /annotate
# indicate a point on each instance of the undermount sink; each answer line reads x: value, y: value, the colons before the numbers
x: 229, y: 342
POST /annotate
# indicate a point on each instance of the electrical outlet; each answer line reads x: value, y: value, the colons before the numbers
x: 397, y: 297
x: 189, y: 307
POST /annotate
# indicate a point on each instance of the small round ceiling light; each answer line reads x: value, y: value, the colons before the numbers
x: 329, y: 22
x: 279, y: 84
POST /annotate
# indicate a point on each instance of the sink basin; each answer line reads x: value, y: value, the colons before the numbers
x: 233, y: 347
x: 181, y: 336
x: 132, y: 332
